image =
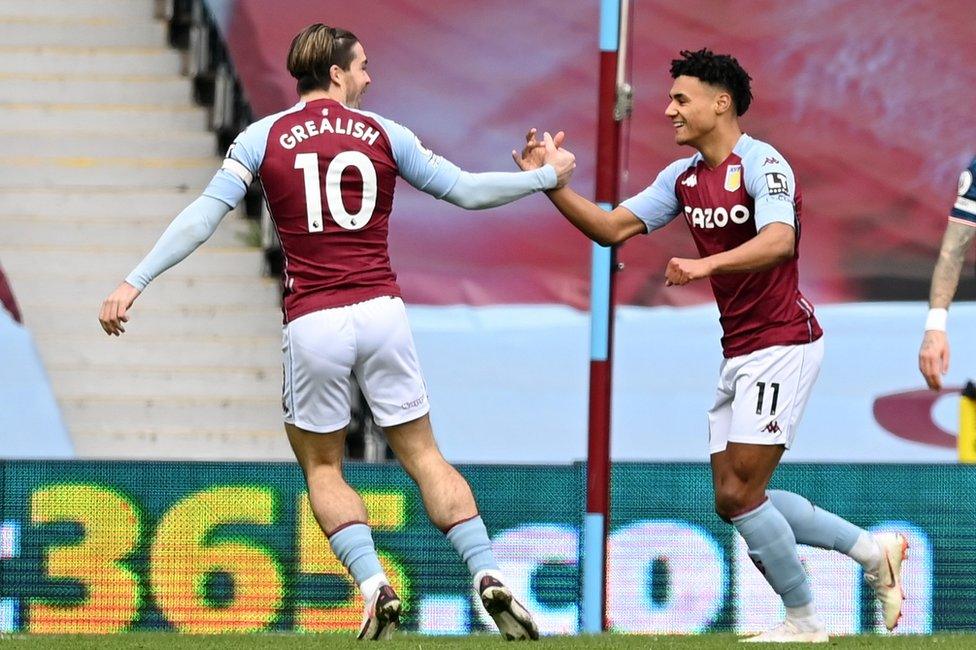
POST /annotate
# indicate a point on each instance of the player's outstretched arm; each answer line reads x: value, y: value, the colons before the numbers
x: 193, y: 226
x: 933, y: 356
x: 774, y: 244
x: 442, y: 179
x: 476, y: 191
x: 605, y: 228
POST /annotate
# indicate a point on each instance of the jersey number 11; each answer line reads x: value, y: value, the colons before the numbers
x: 762, y: 393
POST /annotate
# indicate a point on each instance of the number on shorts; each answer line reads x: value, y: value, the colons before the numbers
x: 309, y: 164
x: 762, y: 393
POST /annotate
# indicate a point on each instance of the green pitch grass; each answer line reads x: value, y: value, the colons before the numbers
x: 150, y: 641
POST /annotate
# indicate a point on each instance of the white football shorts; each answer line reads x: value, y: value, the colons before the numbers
x: 368, y: 343
x: 761, y: 396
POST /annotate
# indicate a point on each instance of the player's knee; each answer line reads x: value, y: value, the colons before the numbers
x: 723, y: 508
x: 732, y: 502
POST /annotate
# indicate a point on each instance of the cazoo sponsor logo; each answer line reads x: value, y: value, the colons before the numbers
x: 716, y: 217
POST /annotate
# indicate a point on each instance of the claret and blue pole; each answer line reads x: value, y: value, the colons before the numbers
x: 613, y: 108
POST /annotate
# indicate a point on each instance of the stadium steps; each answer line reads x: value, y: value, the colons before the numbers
x: 87, y: 60
x: 36, y: 230
x: 64, y: 116
x: 102, y: 147
x: 40, y: 143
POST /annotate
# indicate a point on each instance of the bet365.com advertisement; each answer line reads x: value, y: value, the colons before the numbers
x: 205, y: 548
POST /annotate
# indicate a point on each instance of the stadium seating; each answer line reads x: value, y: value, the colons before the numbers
x: 103, y: 145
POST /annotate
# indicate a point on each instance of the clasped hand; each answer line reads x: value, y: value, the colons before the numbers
x: 547, y: 151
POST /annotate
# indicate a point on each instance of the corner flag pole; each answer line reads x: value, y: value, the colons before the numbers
x: 613, y: 108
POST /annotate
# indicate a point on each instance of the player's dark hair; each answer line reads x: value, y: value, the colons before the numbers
x: 720, y: 70
x: 315, y: 50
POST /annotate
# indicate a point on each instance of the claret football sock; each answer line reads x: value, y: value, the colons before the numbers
x: 470, y: 540
x: 815, y: 526
x: 353, y: 545
x: 772, y: 547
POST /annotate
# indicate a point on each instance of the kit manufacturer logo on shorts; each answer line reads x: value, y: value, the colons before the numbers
x: 733, y: 178
x: 772, y: 427
x: 414, y: 404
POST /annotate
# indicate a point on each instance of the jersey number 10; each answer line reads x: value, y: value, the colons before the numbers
x: 309, y: 164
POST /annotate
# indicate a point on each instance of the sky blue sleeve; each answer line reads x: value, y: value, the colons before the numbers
x: 241, y: 163
x: 657, y: 205
x: 770, y: 182
x: 417, y: 164
x: 191, y: 227
x: 442, y: 179
x: 199, y: 220
x: 490, y: 189
x: 964, y: 209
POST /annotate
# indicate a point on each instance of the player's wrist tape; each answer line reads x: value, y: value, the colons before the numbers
x: 937, y: 319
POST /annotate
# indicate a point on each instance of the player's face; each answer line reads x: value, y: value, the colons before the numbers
x: 692, y: 109
x: 356, y: 78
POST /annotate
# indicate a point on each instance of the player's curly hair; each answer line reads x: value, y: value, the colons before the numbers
x: 314, y: 51
x: 720, y: 70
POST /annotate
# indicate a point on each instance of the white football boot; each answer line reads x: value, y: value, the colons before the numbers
x: 790, y: 632
x: 886, y: 578
x: 381, y: 616
x: 513, y: 620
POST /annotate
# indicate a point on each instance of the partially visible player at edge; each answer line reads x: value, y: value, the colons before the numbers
x: 933, y: 357
x: 328, y: 171
x: 739, y: 198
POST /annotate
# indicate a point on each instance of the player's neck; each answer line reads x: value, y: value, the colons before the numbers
x: 718, y: 145
x: 334, y: 93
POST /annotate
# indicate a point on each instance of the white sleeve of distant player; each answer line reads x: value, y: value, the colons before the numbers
x: 241, y: 164
x: 417, y: 164
x: 770, y: 182
x: 657, y: 205
x: 964, y: 209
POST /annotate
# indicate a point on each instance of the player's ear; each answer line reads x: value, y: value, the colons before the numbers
x: 723, y: 103
x: 335, y: 74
